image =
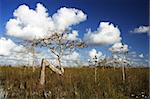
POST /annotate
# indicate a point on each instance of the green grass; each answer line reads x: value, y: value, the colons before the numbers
x: 76, y: 83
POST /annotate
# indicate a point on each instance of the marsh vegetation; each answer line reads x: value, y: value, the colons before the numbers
x: 76, y: 83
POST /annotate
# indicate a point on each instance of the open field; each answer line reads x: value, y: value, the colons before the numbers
x: 77, y: 83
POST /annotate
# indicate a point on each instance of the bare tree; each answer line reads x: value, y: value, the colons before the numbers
x: 94, y: 62
x: 122, y: 61
x: 102, y: 63
x: 59, y: 45
x: 120, y: 50
x: 30, y: 47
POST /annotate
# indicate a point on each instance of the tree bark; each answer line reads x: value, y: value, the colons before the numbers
x: 95, y: 74
x: 123, y: 73
x: 42, y: 76
x: 33, y: 61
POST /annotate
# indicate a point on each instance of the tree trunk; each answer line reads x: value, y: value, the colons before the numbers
x: 42, y: 77
x: 33, y: 61
x: 95, y: 74
x: 114, y: 67
x: 123, y: 73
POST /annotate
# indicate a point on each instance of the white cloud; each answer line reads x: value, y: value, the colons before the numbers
x: 141, y: 29
x: 31, y: 24
x: 93, y: 53
x: 7, y: 46
x: 141, y: 55
x: 119, y: 47
x: 66, y: 17
x: 11, y: 53
x: 28, y: 23
x: 72, y: 56
x: 72, y: 36
x: 106, y: 33
x: 72, y: 59
x: 19, y: 58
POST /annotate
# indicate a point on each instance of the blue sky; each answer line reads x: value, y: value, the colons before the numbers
x: 126, y: 14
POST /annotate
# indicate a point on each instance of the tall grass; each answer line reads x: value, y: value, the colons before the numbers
x: 76, y: 83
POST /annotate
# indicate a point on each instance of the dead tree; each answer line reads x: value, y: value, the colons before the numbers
x: 123, y: 62
x: 33, y: 56
x: 120, y: 50
x: 45, y: 63
x: 102, y: 63
x: 94, y: 62
x: 42, y: 76
x: 30, y: 47
x: 59, y: 45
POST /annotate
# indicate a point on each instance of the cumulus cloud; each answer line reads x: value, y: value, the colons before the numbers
x: 7, y: 46
x: 94, y: 54
x: 28, y: 23
x: 11, y: 53
x: 72, y: 36
x: 72, y: 59
x: 141, y: 29
x: 66, y: 17
x: 72, y: 56
x: 20, y: 58
x: 141, y: 55
x: 106, y: 33
x: 119, y: 48
x: 33, y: 24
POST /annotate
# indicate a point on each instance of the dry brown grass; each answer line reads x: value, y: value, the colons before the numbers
x: 77, y: 83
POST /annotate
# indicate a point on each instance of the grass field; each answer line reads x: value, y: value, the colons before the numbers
x: 76, y: 83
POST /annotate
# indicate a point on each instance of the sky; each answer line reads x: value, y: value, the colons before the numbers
x: 127, y: 16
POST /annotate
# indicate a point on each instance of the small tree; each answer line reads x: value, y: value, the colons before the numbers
x: 59, y: 45
x: 94, y: 62
x: 121, y: 51
x: 122, y: 61
x: 30, y: 48
x: 96, y: 59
